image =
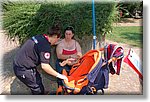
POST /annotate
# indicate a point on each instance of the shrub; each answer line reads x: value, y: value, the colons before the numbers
x: 129, y: 9
x: 24, y: 20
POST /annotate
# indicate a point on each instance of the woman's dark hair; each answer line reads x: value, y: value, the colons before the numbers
x: 54, y: 30
x: 70, y: 28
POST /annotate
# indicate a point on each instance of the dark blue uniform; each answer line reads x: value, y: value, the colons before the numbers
x: 34, y: 52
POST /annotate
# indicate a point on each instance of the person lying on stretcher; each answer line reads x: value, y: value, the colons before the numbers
x: 71, y: 60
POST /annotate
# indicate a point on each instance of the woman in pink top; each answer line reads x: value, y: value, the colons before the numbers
x: 69, y: 49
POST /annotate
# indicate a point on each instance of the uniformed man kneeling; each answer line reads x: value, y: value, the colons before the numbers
x: 36, y: 51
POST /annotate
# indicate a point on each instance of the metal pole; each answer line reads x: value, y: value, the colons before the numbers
x: 93, y: 20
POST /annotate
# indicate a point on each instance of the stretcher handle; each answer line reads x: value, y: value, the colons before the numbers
x: 110, y: 60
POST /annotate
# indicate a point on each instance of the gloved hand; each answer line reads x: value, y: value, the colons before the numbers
x: 61, y: 76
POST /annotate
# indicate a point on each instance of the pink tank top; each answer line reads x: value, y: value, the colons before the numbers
x: 69, y: 52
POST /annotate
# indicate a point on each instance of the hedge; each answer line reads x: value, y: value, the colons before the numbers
x: 24, y: 20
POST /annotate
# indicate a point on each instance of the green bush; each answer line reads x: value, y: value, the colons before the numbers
x: 24, y: 20
x: 129, y: 9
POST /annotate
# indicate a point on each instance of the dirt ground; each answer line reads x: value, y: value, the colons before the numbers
x: 126, y: 83
x: 130, y: 22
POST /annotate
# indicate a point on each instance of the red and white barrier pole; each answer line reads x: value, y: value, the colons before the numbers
x: 133, y: 60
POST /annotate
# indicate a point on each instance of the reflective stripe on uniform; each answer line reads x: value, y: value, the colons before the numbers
x: 34, y: 39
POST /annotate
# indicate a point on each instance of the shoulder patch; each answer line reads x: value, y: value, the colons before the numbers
x: 47, y: 55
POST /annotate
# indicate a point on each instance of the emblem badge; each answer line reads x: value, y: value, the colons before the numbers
x: 47, y: 55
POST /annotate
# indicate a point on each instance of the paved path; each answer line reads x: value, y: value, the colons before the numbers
x: 128, y: 81
x: 131, y: 22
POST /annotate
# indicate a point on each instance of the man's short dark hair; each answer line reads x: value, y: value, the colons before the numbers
x: 54, y: 30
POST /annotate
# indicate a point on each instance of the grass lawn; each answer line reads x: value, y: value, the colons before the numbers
x: 132, y: 35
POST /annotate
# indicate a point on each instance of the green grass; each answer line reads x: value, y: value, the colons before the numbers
x: 131, y: 35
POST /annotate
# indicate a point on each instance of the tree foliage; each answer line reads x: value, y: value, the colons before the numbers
x: 129, y: 9
x: 24, y: 20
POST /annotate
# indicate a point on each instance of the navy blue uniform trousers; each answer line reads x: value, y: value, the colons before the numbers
x: 31, y: 78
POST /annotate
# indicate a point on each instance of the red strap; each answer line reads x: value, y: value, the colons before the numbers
x: 45, y: 36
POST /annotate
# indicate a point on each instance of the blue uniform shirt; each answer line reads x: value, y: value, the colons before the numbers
x: 33, y: 52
